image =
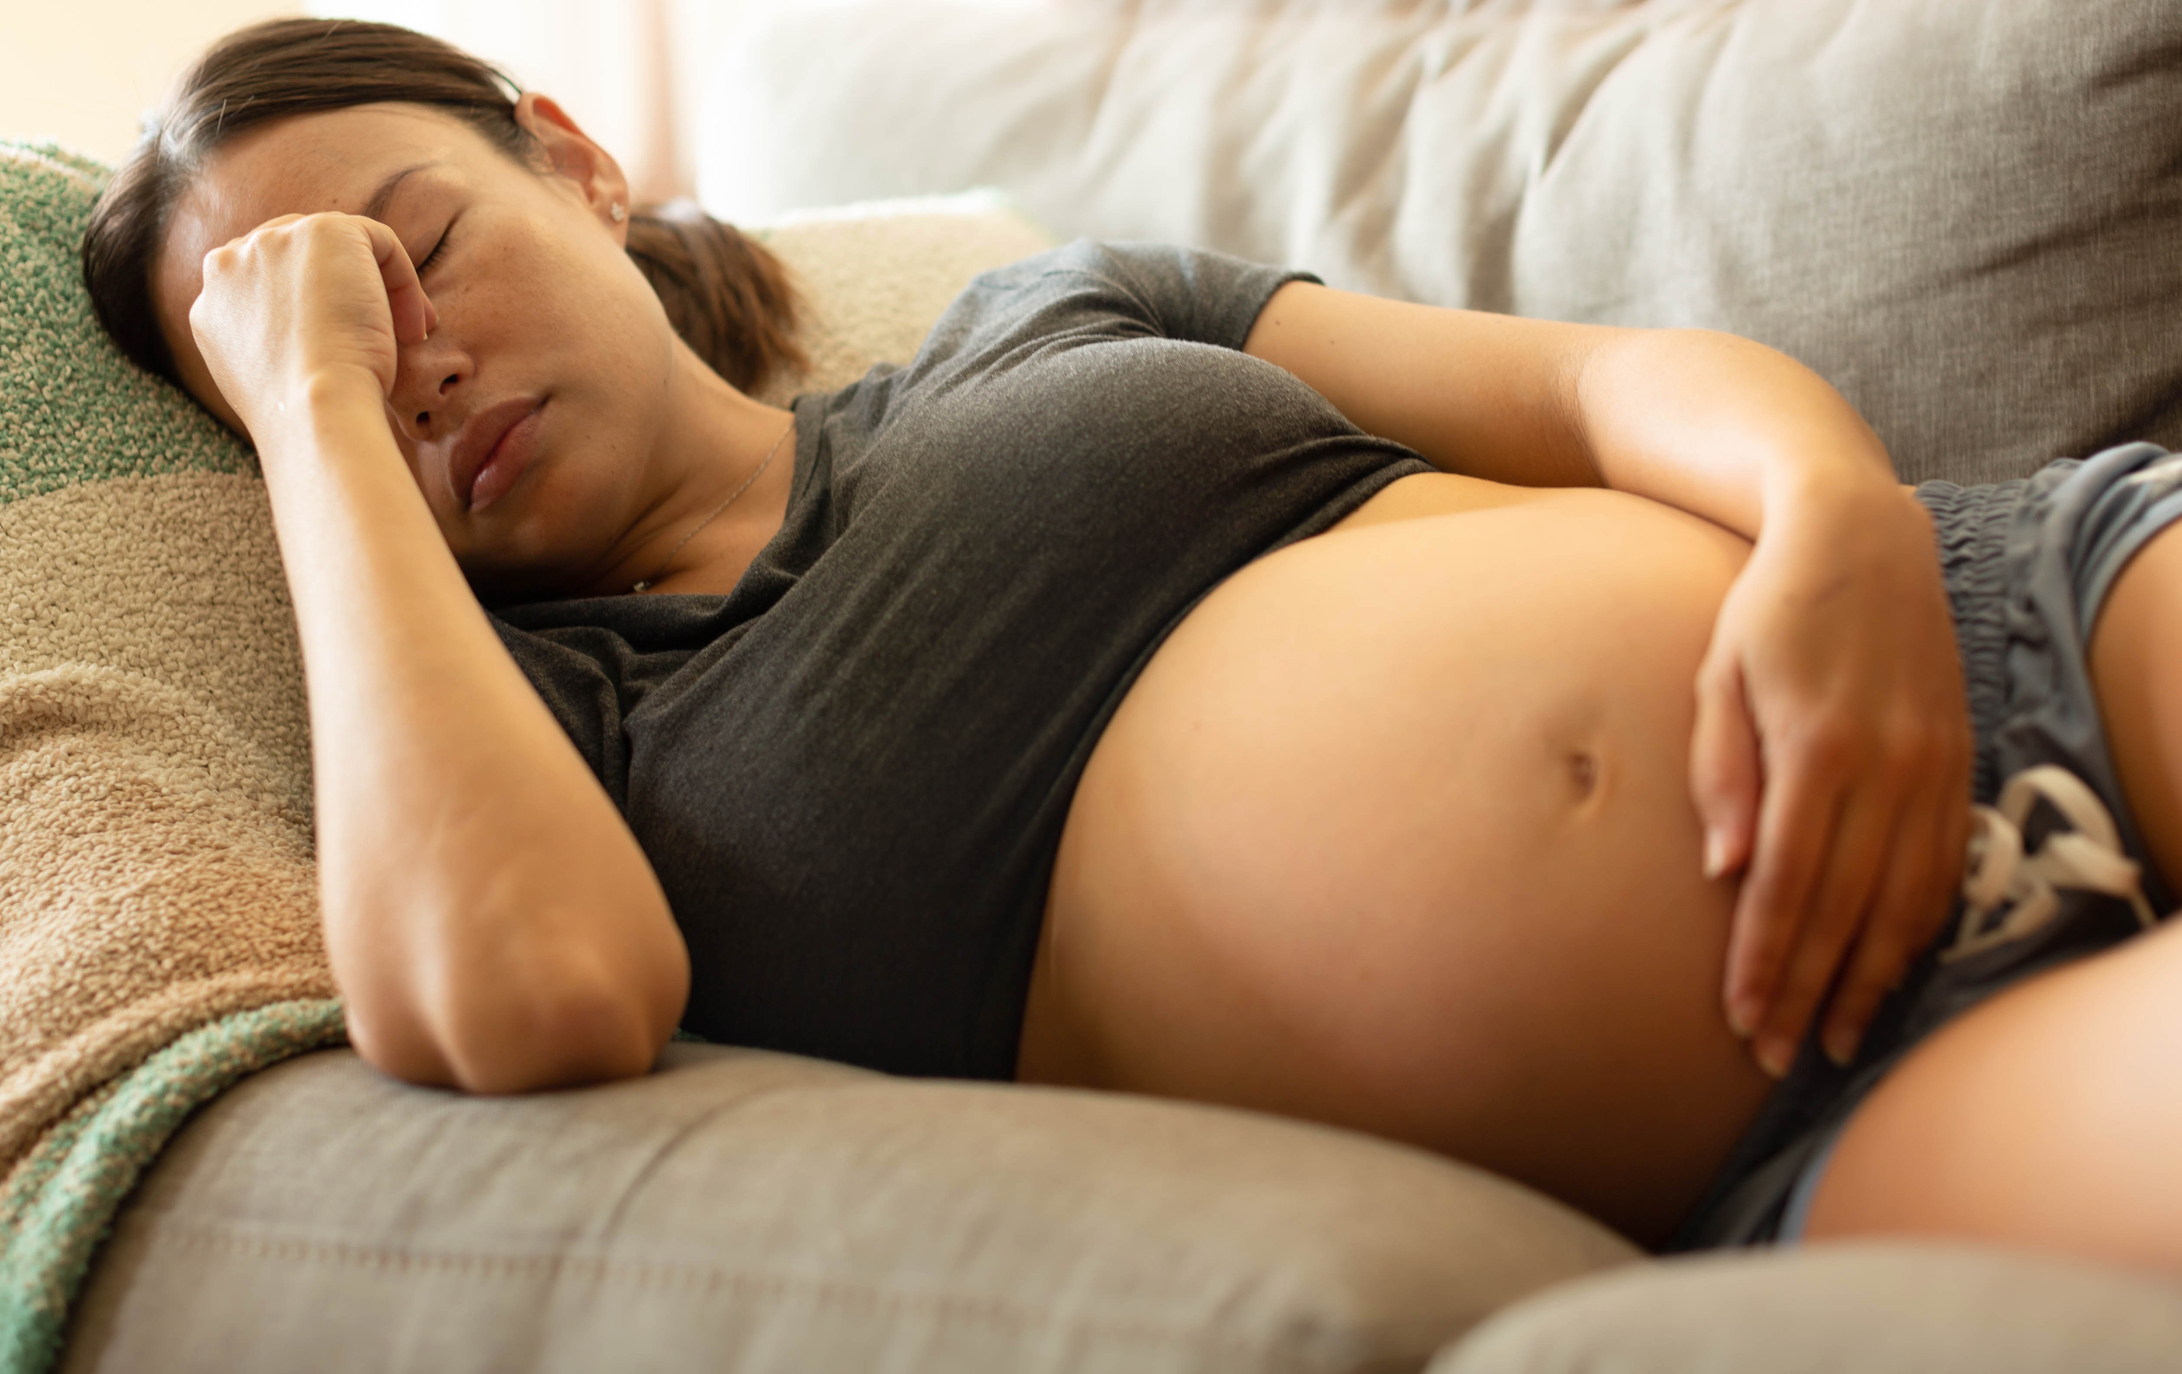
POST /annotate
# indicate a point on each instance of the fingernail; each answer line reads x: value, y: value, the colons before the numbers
x: 1715, y: 854
x: 1742, y: 1017
x: 1774, y: 1056
x: 1840, y: 1047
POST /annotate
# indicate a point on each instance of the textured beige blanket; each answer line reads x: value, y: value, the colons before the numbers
x: 155, y: 871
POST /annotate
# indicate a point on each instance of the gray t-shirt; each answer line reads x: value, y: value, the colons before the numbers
x: 851, y: 772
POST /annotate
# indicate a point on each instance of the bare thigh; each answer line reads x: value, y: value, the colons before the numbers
x: 2052, y: 1114
x: 1395, y: 833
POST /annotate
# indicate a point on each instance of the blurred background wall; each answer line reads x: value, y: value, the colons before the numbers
x: 609, y: 63
x: 83, y: 71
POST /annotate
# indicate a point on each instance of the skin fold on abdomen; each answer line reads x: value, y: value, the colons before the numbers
x: 1395, y: 832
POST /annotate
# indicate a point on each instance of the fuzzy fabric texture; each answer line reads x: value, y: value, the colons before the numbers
x: 159, y: 931
x: 61, y: 1199
x: 155, y: 866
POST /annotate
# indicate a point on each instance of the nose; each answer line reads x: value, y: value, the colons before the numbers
x: 428, y: 378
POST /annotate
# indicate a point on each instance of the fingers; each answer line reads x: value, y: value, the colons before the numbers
x: 1848, y: 726
x: 1724, y: 765
x: 1892, y: 935
x: 1841, y: 910
x: 1876, y: 899
x: 1795, y: 830
x: 1914, y: 900
x: 305, y: 296
x: 413, y: 312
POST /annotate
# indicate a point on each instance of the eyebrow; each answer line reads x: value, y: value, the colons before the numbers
x: 375, y: 208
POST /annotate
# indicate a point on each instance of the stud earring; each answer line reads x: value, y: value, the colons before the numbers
x: 617, y: 212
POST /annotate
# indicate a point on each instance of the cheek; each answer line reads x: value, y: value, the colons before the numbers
x: 572, y: 315
x: 590, y: 294
x: 592, y: 330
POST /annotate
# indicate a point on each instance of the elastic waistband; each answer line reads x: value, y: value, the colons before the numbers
x: 1972, y: 526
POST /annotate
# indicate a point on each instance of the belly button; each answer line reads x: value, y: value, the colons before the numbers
x: 1583, y: 771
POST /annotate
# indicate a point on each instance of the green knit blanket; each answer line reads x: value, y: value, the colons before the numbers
x: 60, y: 1201
x: 158, y: 921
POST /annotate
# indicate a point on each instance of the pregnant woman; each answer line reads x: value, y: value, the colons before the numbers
x: 1546, y: 744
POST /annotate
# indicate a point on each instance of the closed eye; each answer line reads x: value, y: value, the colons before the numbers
x: 437, y: 249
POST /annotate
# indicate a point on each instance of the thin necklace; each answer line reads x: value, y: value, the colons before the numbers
x: 647, y: 582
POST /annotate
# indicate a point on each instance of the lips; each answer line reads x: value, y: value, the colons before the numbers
x: 480, y: 436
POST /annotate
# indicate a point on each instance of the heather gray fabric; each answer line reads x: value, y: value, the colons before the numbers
x: 1896, y: 1308
x: 747, y: 1211
x: 1966, y: 214
x: 851, y: 772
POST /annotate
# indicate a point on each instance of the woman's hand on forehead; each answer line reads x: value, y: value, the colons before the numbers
x: 301, y: 298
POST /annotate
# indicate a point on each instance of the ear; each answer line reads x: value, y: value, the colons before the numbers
x: 572, y: 154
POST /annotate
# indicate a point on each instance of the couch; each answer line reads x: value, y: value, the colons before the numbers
x: 1966, y: 214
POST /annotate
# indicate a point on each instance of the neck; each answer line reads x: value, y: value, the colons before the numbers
x: 723, y: 494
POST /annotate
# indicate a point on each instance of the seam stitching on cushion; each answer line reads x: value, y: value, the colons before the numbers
x: 667, y: 1275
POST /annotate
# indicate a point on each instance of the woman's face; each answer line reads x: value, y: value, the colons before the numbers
x: 537, y: 301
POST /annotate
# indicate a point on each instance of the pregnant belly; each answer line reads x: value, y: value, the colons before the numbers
x: 1395, y: 832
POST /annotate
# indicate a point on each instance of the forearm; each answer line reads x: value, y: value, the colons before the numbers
x: 1714, y: 424
x: 1722, y: 427
x: 490, y: 918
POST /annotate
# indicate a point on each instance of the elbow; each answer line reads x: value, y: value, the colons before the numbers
x: 566, y: 1036
x: 552, y: 1024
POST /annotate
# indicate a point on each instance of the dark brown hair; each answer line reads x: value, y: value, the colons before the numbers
x: 724, y: 292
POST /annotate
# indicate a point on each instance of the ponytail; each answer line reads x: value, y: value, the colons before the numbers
x: 727, y: 295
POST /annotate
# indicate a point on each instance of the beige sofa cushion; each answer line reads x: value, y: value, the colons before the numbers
x: 874, y: 276
x: 1967, y: 214
x: 1868, y: 1308
x: 761, y: 1212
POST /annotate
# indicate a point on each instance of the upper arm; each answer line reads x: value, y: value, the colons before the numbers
x: 1492, y: 396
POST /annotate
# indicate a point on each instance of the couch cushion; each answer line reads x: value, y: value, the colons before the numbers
x: 760, y: 1212
x: 875, y: 275
x: 1871, y: 1308
x: 1967, y: 214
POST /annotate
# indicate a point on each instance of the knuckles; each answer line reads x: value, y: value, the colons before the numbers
x: 1902, y: 748
x: 1829, y: 741
x: 1838, y: 742
x: 278, y: 235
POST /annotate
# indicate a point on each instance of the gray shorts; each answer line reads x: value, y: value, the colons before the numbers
x: 2028, y: 564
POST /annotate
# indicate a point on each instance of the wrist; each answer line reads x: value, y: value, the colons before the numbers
x: 1853, y: 527
x: 1856, y: 483
x: 340, y: 394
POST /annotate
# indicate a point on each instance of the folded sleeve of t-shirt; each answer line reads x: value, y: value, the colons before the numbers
x: 1184, y: 293
x: 1159, y: 290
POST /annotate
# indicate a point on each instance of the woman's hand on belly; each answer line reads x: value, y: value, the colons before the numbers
x: 1833, y: 738
x: 1831, y: 755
